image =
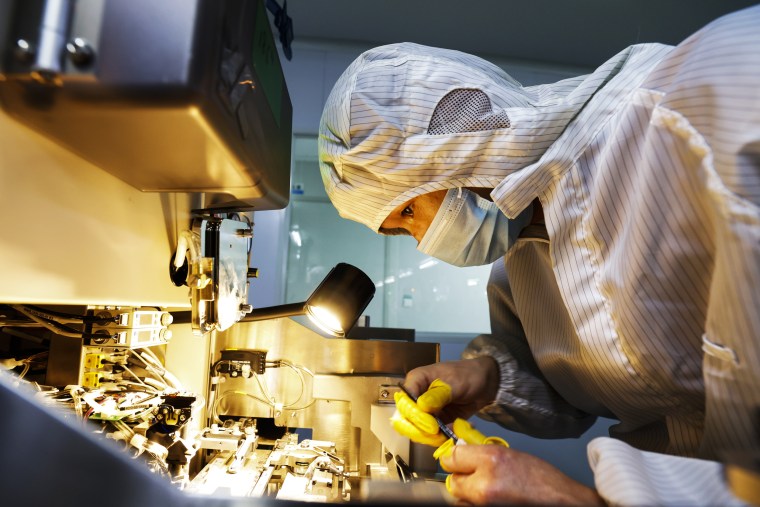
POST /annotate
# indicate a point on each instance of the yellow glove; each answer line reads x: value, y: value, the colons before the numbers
x: 413, y: 420
x: 465, y: 432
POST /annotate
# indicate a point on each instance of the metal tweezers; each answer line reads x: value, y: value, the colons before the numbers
x: 444, y: 429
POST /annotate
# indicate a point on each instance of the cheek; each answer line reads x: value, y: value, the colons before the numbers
x: 418, y: 233
x: 391, y: 222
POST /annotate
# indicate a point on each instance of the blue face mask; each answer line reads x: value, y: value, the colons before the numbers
x: 470, y: 231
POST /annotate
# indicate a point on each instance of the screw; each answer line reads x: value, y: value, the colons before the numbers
x: 80, y: 52
x: 23, y: 52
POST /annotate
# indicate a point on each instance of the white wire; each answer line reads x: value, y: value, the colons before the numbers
x: 298, y: 369
x: 152, y: 357
x: 133, y: 374
x: 215, y: 406
x: 148, y: 356
x: 158, y: 385
x: 303, y: 385
x: 153, y: 371
x: 263, y: 389
x: 270, y: 400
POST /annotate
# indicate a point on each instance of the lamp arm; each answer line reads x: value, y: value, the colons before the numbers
x: 275, y: 312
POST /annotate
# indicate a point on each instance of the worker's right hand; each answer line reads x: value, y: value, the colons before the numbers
x: 473, y: 384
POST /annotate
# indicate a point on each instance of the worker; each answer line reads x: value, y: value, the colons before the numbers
x: 621, y: 212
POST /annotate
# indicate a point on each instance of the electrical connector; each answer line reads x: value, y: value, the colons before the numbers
x: 94, y: 361
x: 242, y: 362
x: 91, y: 379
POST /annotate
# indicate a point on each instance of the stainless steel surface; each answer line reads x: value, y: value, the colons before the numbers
x: 285, y: 338
x: 182, y: 96
x: 221, y: 304
x: 348, y: 376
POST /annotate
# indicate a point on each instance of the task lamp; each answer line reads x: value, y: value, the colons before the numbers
x: 334, y: 306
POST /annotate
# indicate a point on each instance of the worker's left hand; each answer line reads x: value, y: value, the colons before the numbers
x: 413, y: 420
x: 494, y: 474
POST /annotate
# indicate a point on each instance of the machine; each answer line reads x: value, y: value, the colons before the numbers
x: 138, y: 142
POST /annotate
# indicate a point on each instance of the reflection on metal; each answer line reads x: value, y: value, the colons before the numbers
x: 336, y: 400
x: 309, y: 470
x: 159, y: 94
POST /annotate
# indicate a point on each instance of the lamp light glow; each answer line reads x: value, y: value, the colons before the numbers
x: 325, y: 319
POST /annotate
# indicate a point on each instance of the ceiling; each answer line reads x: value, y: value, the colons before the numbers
x: 573, y: 33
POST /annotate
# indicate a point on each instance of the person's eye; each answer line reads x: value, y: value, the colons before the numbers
x: 407, y: 212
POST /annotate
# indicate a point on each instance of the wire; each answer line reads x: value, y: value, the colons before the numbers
x: 57, y: 327
x: 69, y: 317
x: 158, y: 385
x: 153, y: 364
x: 298, y: 369
x: 168, y: 376
x: 263, y: 389
x: 152, y: 356
x: 150, y: 369
x: 226, y: 394
x: 278, y: 362
x: 303, y: 384
x: 28, y: 363
x: 269, y: 399
x: 133, y: 374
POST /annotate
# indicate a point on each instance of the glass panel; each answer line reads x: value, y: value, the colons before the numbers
x: 413, y: 290
x: 426, y: 294
x: 320, y: 239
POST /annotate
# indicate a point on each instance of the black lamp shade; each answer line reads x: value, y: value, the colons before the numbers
x: 344, y: 293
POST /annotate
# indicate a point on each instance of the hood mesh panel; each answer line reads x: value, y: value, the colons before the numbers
x: 465, y: 110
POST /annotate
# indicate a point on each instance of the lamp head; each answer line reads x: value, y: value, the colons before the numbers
x: 337, y: 303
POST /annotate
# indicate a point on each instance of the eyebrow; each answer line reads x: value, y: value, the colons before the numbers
x: 397, y: 231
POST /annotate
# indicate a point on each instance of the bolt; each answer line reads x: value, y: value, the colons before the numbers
x: 385, y: 394
x: 80, y: 52
x: 23, y: 52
